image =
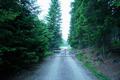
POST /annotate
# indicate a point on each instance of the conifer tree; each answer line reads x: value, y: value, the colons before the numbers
x: 54, y: 23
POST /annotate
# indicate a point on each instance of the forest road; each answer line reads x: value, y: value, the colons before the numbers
x: 58, y: 67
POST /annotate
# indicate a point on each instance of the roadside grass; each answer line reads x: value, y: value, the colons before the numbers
x: 49, y: 53
x: 89, y: 65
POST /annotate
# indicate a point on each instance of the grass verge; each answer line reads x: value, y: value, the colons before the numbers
x: 88, y: 64
x: 49, y: 53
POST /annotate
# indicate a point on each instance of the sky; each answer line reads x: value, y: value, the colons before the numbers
x: 65, y: 7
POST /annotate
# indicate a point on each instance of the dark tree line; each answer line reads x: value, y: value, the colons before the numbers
x: 95, y: 23
x: 24, y: 39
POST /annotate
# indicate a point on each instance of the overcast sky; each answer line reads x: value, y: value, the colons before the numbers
x: 65, y: 7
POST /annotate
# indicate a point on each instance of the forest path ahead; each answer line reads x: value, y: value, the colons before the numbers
x: 59, y: 67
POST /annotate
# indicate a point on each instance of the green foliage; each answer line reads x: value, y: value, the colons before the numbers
x: 116, y: 3
x: 116, y: 43
x: 53, y: 23
x: 7, y: 15
x: 94, y: 23
x: 47, y: 54
x: 24, y: 39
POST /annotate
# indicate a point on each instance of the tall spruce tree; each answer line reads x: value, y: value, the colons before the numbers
x: 54, y: 22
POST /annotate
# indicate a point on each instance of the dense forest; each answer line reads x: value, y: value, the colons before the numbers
x: 95, y: 23
x: 24, y: 38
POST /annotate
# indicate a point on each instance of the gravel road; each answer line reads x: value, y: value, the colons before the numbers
x: 59, y: 67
